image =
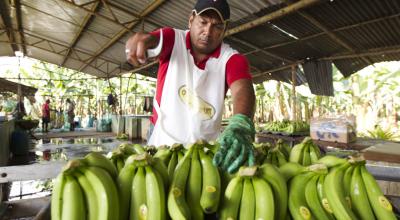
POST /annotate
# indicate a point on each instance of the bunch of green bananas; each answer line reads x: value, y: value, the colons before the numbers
x: 142, y: 185
x: 305, y: 153
x: 122, y: 136
x: 287, y: 126
x: 353, y: 193
x: 339, y: 194
x: 119, y: 155
x: 170, y: 156
x: 255, y: 193
x: 196, y: 185
x: 85, y: 189
x: 279, y: 155
x: 261, y: 151
x: 304, y: 191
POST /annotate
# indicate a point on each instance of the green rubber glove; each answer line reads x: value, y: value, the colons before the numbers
x: 236, y: 144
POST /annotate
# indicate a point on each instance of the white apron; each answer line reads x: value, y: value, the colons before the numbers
x: 192, y: 99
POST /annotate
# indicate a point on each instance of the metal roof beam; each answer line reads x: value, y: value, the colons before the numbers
x: 332, y: 35
x: 126, y: 27
x: 112, y: 4
x: 56, y: 52
x: 271, y: 16
x: 149, y: 9
x: 260, y: 49
x: 352, y: 55
x: 333, y: 31
x: 63, y: 45
x: 5, y: 15
x: 85, y: 24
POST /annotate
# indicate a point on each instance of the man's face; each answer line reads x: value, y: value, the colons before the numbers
x: 206, y: 31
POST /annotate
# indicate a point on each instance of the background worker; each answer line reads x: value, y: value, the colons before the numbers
x: 46, y: 116
x: 71, y: 114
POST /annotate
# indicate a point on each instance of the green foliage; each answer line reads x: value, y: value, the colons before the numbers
x: 383, y: 134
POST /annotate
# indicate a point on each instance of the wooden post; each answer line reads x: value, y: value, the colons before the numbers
x: 294, y: 106
x: 120, y: 95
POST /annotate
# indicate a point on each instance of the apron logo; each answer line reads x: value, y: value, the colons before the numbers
x: 195, y: 103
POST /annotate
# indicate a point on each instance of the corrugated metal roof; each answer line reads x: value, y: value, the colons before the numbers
x: 9, y: 86
x: 89, y: 35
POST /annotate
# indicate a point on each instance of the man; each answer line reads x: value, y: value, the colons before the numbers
x: 196, y: 69
x: 19, y: 111
x: 71, y: 114
x: 46, y: 116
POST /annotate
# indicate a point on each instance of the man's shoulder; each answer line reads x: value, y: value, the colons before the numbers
x: 237, y: 58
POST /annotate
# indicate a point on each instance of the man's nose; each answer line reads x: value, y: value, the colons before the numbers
x: 208, y: 29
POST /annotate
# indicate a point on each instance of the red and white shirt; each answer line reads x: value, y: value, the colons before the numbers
x: 237, y: 66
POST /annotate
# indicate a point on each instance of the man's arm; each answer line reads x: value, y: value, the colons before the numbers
x: 236, y: 146
x: 243, y: 97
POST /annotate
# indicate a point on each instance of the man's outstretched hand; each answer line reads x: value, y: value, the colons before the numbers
x: 236, y: 144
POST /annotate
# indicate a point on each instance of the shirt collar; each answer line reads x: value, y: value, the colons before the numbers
x: 214, y: 54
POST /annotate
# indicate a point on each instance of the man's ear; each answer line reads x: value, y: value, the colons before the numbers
x: 226, y: 26
x: 191, y: 18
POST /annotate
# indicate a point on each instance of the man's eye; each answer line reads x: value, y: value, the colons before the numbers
x: 220, y: 26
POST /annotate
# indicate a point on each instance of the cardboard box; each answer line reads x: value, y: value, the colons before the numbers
x: 340, y: 129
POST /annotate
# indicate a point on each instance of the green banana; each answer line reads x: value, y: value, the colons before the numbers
x: 98, y: 160
x: 306, y: 156
x: 298, y: 206
x: 313, y: 201
x: 124, y: 183
x: 264, y: 200
x: 162, y: 170
x: 291, y: 169
x: 348, y: 173
x: 381, y: 206
x: 172, y: 165
x: 275, y: 159
x: 138, y: 148
x: 57, y: 197
x: 164, y: 154
x: 359, y: 197
x: 130, y: 159
x: 268, y: 158
x: 279, y: 187
x: 322, y: 195
x: 248, y: 201
x: 333, y: 187
x: 107, y: 193
x: 180, y: 155
x: 155, y: 196
x: 90, y: 195
x: 232, y: 199
x: 177, y: 207
x: 313, y: 154
x: 282, y: 147
x: 139, y: 207
x: 331, y: 161
x: 73, y: 206
x: 296, y: 154
x: 281, y: 158
x: 120, y: 164
x: 211, y: 187
x: 193, y: 189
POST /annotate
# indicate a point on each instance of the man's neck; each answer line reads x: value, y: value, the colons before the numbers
x: 198, y: 57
